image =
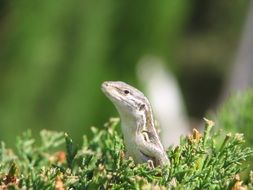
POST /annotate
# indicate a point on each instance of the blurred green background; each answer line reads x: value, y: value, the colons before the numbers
x: 54, y: 56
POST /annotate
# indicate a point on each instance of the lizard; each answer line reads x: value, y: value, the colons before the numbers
x: 141, y: 140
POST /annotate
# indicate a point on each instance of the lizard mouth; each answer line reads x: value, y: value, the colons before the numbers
x: 112, y: 92
x: 109, y: 91
x: 107, y: 88
x: 104, y: 87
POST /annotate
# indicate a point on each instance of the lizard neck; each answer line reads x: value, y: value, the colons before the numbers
x: 136, y: 122
x: 148, y: 117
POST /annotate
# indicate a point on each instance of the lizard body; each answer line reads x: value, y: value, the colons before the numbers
x: 137, y: 124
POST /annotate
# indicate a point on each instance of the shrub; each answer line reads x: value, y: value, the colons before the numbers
x: 197, y: 163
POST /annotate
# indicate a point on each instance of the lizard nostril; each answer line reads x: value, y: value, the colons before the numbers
x: 105, y: 84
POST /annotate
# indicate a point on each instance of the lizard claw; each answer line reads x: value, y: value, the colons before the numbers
x: 151, y: 164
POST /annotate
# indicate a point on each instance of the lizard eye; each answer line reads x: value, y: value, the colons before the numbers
x: 126, y: 91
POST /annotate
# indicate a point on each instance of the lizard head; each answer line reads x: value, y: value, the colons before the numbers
x: 127, y: 99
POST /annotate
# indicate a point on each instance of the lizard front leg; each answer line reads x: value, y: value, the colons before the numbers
x: 150, y: 149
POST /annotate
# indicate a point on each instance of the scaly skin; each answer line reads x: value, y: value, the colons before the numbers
x: 140, y: 137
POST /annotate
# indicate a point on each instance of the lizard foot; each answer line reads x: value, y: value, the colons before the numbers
x: 151, y: 164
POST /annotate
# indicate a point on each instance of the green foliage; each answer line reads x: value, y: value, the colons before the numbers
x: 197, y: 163
x: 236, y: 115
